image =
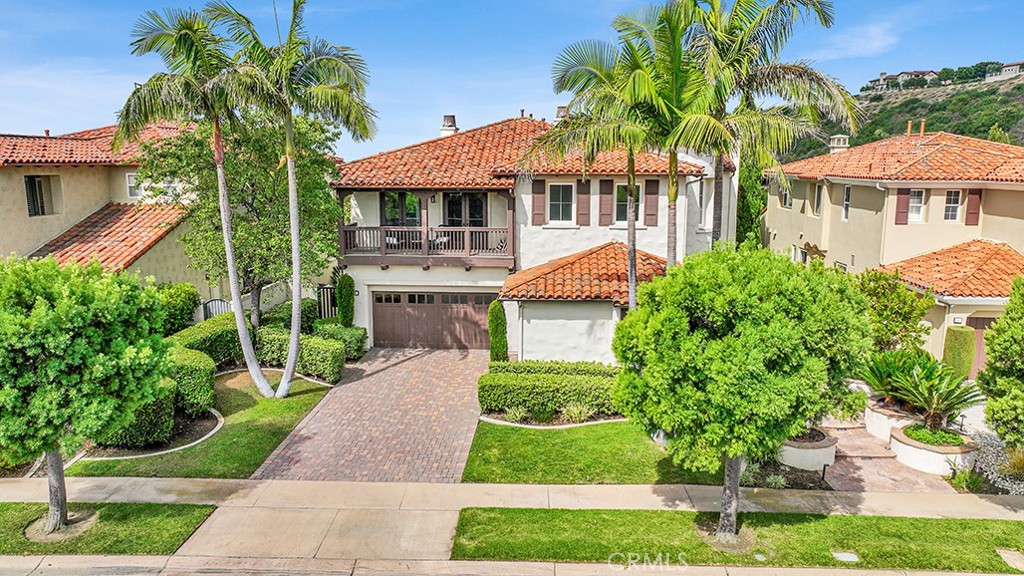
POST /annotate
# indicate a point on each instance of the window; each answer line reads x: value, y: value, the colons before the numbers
x: 421, y: 298
x: 134, y: 191
x: 465, y: 209
x: 454, y: 298
x: 846, y: 203
x: 816, y: 205
x: 841, y: 266
x: 560, y: 203
x: 702, y: 203
x: 952, y: 211
x: 40, y: 196
x: 399, y: 209
x: 802, y: 256
x: 621, y: 203
x: 387, y: 298
x: 916, y: 210
x: 785, y: 198
x: 483, y: 299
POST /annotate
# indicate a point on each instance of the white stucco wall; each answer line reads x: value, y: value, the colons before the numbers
x: 563, y: 330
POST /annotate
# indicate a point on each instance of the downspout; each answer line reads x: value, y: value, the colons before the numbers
x: 885, y: 221
x: 522, y: 351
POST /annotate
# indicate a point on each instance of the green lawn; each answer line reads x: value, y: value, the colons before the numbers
x: 785, y: 539
x: 253, y: 427
x: 615, y: 453
x: 121, y: 529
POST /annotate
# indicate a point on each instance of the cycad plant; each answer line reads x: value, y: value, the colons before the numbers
x: 883, y: 368
x: 936, y: 391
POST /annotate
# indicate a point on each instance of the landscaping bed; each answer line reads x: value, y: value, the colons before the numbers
x: 187, y: 429
x: 608, y: 536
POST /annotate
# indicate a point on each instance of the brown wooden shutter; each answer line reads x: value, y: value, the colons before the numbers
x: 651, y: 202
x: 973, y: 207
x: 583, y: 202
x: 539, y: 199
x: 606, y: 202
x: 902, y: 205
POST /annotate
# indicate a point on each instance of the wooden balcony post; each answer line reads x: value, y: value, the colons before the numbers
x: 341, y: 194
x: 467, y: 239
x: 424, y: 197
x: 510, y: 222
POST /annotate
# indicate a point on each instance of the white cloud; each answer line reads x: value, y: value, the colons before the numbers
x: 858, y: 42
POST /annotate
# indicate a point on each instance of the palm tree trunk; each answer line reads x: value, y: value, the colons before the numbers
x: 673, y: 197
x: 631, y: 227
x: 244, y: 337
x: 293, y: 221
x: 716, y: 218
x: 728, y: 518
x: 57, y: 518
x: 255, y: 302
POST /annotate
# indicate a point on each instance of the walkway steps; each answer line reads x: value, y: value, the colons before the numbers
x: 857, y: 443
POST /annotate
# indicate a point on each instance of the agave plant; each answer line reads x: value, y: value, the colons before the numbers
x: 937, y: 391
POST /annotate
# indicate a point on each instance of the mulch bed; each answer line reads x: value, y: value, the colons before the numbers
x: 795, y: 478
x: 809, y: 436
x: 186, y: 431
x: 17, y: 471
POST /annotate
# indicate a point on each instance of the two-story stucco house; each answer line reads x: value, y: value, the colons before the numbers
x: 947, y: 211
x: 74, y: 198
x: 442, y: 228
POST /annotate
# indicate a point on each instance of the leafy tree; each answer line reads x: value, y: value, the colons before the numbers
x: 894, y: 310
x: 497, y: 330
x: 893, y: 84
x: 916, y: 82
x: 345, y: 291
x: 1003, y: 377
x: 946, y: 75
x: 934, y: 82
x: 257, y: 195
x: 997, y: 134
x: 750, y: 202
x: 80, y: 350
x: 734, y: 352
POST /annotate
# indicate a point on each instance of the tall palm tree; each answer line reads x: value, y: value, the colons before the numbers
x: 308, y: 75
x: 200, y: 84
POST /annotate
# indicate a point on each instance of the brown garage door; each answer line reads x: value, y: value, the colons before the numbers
x: 430, y: 320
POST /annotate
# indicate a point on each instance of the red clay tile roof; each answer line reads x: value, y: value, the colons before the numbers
x: 89, y: 147
x: 117, y: 234
x: 600, y: 273
x: 973, y: 269
x: 483, y: 157
x: 933, y: 156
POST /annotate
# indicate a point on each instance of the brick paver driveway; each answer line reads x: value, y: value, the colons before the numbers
x: 398, y: 416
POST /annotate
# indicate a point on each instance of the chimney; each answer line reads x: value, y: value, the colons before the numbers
x: 47, y: 132
x: 562, y: 110
x: 922, y: 126
x: 522, y: 112
x: 448, y: 125
x: 838, y: 143
x: 910, y: 127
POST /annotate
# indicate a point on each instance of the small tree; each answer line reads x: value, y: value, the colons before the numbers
x: 80, y: 350
x: 894, y: 310
x: 997, y: 134
x: 736, y: 351
x: 1003, y: 378
x: 497, y: 331
x: 958, y: 350
x: 345, y: 289
x: 750, y: 201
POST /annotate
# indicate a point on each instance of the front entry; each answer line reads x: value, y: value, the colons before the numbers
x: 430, y: 320
x: 980, y: 325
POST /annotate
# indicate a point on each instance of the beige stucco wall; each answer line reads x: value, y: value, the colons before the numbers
x: 167, y: 262
x: 932, y: 233
x: 117, y: 183
x: 941, y: 317
x: 1003, y: 216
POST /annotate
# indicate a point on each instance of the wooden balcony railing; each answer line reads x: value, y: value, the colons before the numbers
x: 441, y: 241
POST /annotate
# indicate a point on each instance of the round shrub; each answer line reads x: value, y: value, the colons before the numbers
x: 152, y: 423
x: 318, y: 357
x: 497, y: 330
x: 216, y: 337
x: 958, y: 351
x: 345, y: 290
x: 179, y: 302
x: 280, y: 316
x: 193, y: 373
x: 353, y: 337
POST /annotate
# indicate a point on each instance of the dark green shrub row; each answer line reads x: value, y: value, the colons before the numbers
x: 353, y: 337
x: 554, y: 367
x: 153, y: 422
x: 192, y: 372
x: 179, y: 302
x: 318, y: 357
x: 280, y: 316
x: 497, y: 331
x: 216, y: 337
x: 544, y: 392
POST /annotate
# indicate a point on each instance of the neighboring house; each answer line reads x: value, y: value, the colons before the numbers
x: 944, y: 210
x: 882, y: 83
x: 437, y: 228
x: 1011, y: 70
x: 73, y: 197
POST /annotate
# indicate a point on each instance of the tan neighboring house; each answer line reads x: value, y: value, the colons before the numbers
x: 72, y: 197
x: 947, y: 211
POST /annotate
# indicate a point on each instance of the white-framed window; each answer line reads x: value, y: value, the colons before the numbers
x: 951, y: 212
x: 785, y: 198
x: 132, y: 182
x: 802, y: 255
x: 819, y: 190
x: 560, y: 202
x: 42, y: 197
x: 915, y: 212
x: 621, y: 202
x: 702, y: 203
x: 841, y: 266
x: 846, y: 202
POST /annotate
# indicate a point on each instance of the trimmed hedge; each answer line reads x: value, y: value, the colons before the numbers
x: 179, y: 302
x: 544, y: 392
x: 497, y: 330
x: 280, y: 316
x: 353, y: 337
x: 554, y: 367
x: 345, y: 292
x: 153, y: 422
x: 216, y: 337
x: 193, y: 373
x: 958, y: 351
x: 318, y: 357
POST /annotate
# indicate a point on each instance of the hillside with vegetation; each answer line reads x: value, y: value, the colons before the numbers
x: 968, y: 109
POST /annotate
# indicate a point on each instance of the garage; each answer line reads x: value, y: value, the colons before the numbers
x: 430, y: 319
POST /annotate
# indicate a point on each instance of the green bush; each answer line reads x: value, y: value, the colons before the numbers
x: 554, y: 367
x: 280, y: 316
x: 958, y: 351
x: 179, y: 302
x: 216, y: 337
x: 193, y: 373
x: 884, y: 367
x: 353, y: 337
x: 318, y: 357
x: 938, y: 393
x: 152, y: 423
x: 933, y: 437
x: 544, y: 392
x: 497, y: 330
x: 345, y: 296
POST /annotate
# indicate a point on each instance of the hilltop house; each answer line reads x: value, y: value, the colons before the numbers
x: 944, y: 210
x: 1011, y: 70
x: 442, y: 228
x: 881, y: 83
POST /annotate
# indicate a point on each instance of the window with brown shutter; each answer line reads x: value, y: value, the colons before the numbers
x: 651, y: 203
x: 537, y: 205
x: 973, y: 207
x: 606, y: 202
x: 902, y: 205
x: 583, y: 202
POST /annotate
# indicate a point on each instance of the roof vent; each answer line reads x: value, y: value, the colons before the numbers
x: 838, y: 143
x: 448, y: 125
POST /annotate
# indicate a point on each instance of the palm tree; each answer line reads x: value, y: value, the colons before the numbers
x: 200, y: 84
x: 308, y: 75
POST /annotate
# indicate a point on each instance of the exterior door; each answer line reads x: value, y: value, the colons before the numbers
x: 979, y: 325
x: 430, y: 320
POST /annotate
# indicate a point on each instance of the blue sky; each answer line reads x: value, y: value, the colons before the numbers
x: 67, y: 64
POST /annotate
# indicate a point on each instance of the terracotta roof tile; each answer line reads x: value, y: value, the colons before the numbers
x: 116, y: 234
x: 932, y: 156
x: 974, y: 269
x: 89, y: 147
x: 599, y: 273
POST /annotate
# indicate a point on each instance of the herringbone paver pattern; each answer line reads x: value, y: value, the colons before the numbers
x: 398, y: 416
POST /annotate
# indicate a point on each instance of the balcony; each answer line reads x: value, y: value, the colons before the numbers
x: 434, y: 246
